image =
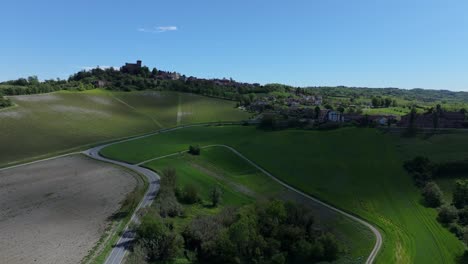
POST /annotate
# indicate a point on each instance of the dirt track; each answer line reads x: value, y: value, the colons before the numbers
x: 55, y: 211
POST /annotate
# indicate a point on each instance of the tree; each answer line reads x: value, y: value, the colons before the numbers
x: 160, y: 243
x: 465, y: 236
x: 33, y: 80
x: 463, y: 216
x: 190, y: 194
x: 432, y: 195
x: 412, y: 117
x: 194, y: 150
x: 154, y: 72
x: 317, y: 112
x: 421, y: 168
x: 460, y: 194
x: 330, y: 247
x: 435, y: 119
x: 447, y: 214
x: 376, y: 102
x: 215, y: 196
x: 438, y: 109
x: 387, y: 102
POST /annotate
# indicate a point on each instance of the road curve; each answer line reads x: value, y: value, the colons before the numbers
x: 120, y: 249
x: 378, y: 236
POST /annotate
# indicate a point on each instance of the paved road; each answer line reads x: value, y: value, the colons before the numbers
x: 120, y: 249
x: 118, y: 252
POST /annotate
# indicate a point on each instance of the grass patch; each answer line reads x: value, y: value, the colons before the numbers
x: 358, y: 170
x: 241, y: 184
x: 61, y: 121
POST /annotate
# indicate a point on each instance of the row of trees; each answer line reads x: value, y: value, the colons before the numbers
x: 383, y: 102
x: 453, y: 215
x: 31, y: 85
x: 265, y: 232
x: 269, y: 232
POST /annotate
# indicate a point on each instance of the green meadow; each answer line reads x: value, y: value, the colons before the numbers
x: 357, y: 170
x: 49, y: 124
x: 242, y: 184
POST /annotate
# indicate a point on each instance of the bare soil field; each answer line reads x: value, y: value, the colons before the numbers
x: 55, y: 211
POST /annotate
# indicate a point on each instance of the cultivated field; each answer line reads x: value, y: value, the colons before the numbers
x: 55, y: 122
x: 55, y: 211
x: 358, y: 170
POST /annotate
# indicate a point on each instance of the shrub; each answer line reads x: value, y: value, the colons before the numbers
x: 194, y: 150
x: 463, y: 216
x: 166, y: 202
x: 432, y: 194
x: 456, y: 229
x: 215, y: 195
x: 460, y: 194
x: 330, y: 247
x: 421, y: 168
x: 189, y: 194
x: 447, y: 214
x: 5, y: 102
x: 159, y: 242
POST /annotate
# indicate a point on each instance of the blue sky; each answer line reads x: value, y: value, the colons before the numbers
x: 376, y: 43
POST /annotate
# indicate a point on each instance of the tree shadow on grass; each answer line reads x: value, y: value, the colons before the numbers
x: 118, y: 216
x: 463, y: 259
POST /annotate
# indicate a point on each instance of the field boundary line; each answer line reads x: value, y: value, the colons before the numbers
x: 136, y: 110
x: 41, y: 160
x: 108, y: 142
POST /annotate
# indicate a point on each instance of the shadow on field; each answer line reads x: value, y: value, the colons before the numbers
x: 117, y: 216
x: 463, y: 259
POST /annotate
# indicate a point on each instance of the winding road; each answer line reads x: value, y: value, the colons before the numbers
x: 118, y: 252
x: 121, y: 248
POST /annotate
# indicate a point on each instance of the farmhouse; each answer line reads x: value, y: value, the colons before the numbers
x: 330, y: 116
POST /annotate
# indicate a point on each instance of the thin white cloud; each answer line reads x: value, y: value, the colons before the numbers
x: 160, y: 29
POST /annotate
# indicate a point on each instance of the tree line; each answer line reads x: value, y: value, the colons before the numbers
x: 453, y: 215
x: 32, y: 85
x: 263, y: 232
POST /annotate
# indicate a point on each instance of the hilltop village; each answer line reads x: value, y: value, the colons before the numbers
x: 285, y: 105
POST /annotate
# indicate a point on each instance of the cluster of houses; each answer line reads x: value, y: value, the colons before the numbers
x: 427, y: 120
x: 338, y: 117
x: 307, y: 100
x: 292, y: 103
x: 332, y: 116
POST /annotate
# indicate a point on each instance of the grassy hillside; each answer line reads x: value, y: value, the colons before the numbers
x: 241, y: 184
x: 46, y: 123
x: 359, y: 170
